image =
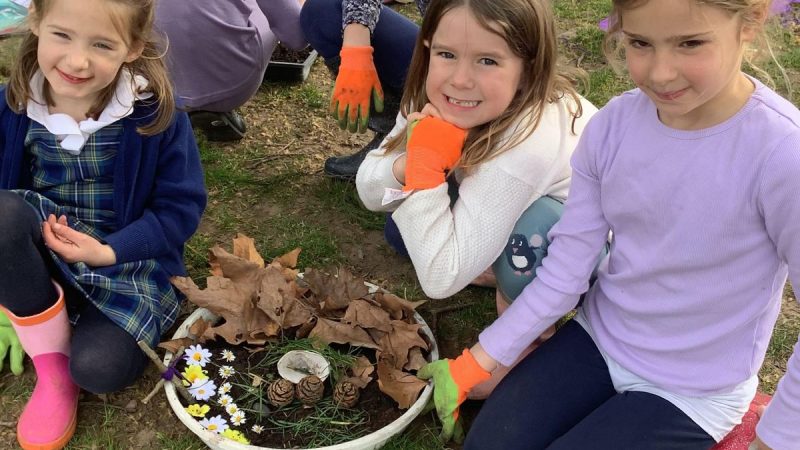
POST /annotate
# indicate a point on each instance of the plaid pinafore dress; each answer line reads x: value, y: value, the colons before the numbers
x: 136, y: 295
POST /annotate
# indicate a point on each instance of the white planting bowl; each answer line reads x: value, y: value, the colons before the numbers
x: 371, y: 441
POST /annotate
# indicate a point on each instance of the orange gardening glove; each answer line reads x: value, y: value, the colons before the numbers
x: 452, y: 381
x: 356, y: 84
x: 434, y: 146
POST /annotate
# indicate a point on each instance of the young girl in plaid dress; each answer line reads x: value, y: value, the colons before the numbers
x: 100, y: 187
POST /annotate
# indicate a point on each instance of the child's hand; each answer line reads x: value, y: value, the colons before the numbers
x: 434, y: 146
x: 427, y: 111
x: 399, y: 166
x: 452, y: 381
x: 73, y: 246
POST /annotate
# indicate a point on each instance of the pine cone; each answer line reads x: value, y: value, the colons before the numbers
x: 346, y: 394
x: 280, y: 392
x: 310, y: 390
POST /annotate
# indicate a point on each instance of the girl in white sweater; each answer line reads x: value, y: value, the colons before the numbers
x: 498, y: 124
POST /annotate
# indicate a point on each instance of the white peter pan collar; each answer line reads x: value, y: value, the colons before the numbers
x: 73, y: 135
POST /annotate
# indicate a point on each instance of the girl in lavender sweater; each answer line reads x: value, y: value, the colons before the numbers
x: 697, y: 174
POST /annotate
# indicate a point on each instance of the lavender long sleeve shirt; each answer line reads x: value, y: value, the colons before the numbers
x: 706, y: 227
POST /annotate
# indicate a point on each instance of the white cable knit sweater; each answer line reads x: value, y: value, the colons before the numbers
x: 449, y: 247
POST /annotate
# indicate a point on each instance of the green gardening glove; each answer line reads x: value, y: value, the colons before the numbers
x: 9, y: 344
x: 452, y: 381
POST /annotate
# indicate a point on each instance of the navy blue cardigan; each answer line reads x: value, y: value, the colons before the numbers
x: 159, y: 192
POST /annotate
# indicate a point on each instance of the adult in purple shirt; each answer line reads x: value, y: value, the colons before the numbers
x: 218, y: 53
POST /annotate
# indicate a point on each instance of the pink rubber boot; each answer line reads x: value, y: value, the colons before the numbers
x: 48, y: 421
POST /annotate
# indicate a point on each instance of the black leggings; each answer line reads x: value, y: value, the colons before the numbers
x: 561, y: 397
x: 104, y: 357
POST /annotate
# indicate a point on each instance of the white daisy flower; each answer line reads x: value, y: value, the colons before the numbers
x: 257, y: 429
x: 216, y: 424
x: 228, y: 355
x: 226, y: 371
x: 197, y: 355
x: 232, y: 409
x: 238, y: 418
x: 203, y: 389
x: 225, y: 388
x: 224, y: 400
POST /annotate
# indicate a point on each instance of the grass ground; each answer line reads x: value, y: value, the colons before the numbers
x: 270, y: 187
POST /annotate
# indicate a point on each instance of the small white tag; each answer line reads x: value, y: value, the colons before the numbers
x: 392, y: 195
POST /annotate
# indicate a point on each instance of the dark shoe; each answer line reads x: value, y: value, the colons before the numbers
x: 383, y: 122
x: 345, y: 167
x: 219, y: 126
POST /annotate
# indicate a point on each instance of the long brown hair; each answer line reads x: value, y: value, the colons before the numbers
x: 135, y: 24
x: 528, y: 27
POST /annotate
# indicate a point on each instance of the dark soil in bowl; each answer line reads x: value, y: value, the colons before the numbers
x: 376, y: 409
x: 283, y: 54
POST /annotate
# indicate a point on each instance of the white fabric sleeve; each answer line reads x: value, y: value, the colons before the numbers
x: 375, y: 173
x: 451, y: 246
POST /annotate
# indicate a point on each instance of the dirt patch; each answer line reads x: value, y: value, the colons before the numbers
x: 283, y: 54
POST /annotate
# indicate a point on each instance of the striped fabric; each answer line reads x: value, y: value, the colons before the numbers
x: 137, y: 295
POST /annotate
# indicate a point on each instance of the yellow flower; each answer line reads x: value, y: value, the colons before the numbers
x: 192, y: 373
x: 198, y: 410
x: 235, y: 435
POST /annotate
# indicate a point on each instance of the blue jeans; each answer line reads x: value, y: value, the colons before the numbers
x: 393, y: 39
x: 561, y: 397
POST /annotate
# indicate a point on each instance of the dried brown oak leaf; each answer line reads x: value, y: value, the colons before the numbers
x: 277, y: 297
x: 223, y: 297
x: 341, y: 333
x: 403, y: 387
x: 366, y: 315
x: 361, y: 372
x: 174, y: 345
x: 246, y: 275
x: 415, y: 359
x: 196, y: 330
x: 245, y: 248
x: 334, y: 292
x: 363, y: 367
x: 403, y: 337
x: 398, y: 308
x: 288, y: 260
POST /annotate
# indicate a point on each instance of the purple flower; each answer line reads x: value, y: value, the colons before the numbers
x: 781, y: 6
